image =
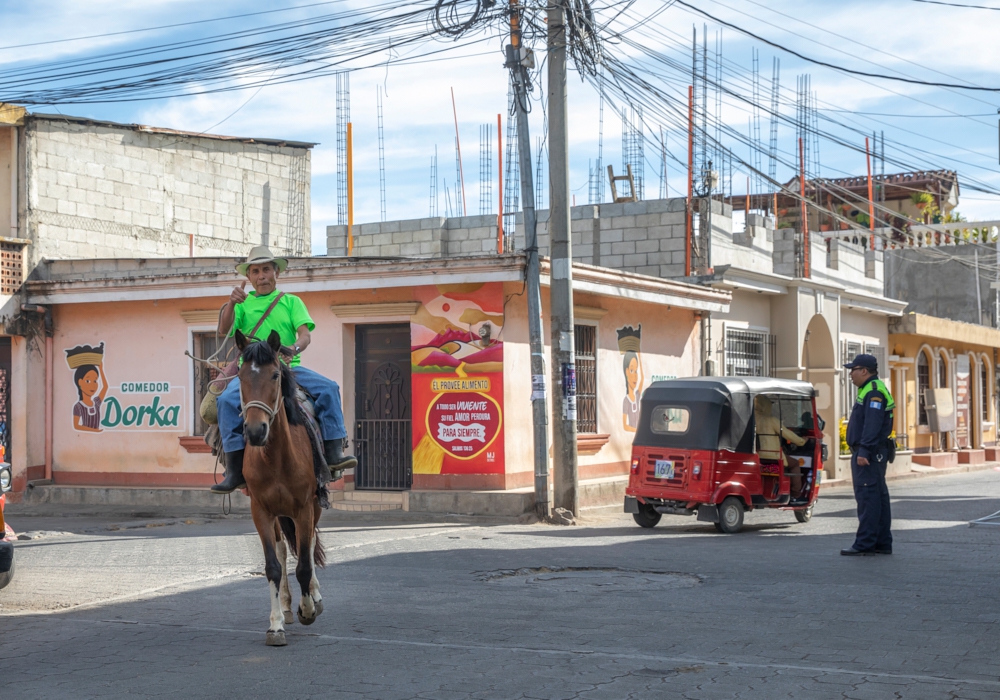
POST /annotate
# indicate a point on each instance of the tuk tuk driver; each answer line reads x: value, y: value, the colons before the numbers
x: 289, y: 317
x: 769, y: 434
x: 868, y: 431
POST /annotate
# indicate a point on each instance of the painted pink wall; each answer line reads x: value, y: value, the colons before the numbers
x: 145, y: 342
x: 669, y: 348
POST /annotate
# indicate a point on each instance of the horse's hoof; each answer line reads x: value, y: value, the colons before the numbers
x: 289, y: 618
x: 319, y: 608
x: 276, y: 639
x: 306, y: 620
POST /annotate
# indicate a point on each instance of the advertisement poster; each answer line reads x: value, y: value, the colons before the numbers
x: 136, y: 406
x: 457, y: 376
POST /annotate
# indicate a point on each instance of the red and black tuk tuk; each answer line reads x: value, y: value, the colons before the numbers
x: 6, y: 533
x: 720, y: 446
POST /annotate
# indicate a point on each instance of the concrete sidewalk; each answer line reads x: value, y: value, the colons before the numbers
x: 514, y: 506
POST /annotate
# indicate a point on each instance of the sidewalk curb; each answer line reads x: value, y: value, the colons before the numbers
x: 962, y: 469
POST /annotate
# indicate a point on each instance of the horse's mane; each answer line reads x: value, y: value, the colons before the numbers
x: 261, y: 354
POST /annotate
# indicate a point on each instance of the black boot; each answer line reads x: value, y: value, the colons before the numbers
x: 334, y: 452
x: 234, y: 474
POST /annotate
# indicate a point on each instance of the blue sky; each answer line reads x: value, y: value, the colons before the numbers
x: 903, y: 37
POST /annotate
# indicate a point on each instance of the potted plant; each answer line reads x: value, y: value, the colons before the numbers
x: 922, y: 201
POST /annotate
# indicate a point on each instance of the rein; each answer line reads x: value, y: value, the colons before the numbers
x: 271, y: 411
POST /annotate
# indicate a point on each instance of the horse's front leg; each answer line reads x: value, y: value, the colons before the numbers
x: 284, y: 592
x: 304, y: 571
x: 264, y: 522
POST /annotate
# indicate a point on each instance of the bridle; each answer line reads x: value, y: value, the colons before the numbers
x: 271, y: 411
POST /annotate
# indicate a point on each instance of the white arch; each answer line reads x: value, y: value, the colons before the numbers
x: 942, y: 355
x: 986, y: 363
x: 975, y: 400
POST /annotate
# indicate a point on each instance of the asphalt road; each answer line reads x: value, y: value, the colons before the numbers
x: 113, y: 609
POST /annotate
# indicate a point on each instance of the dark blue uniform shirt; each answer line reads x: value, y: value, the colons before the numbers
x: 870, y: 423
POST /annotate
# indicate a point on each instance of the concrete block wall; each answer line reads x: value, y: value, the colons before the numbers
x: 783, y: 252
x: 850, y: 263
x: 430, y: 237
x: 97, y: 190
x: 751, y: 248
x: 644, y: 237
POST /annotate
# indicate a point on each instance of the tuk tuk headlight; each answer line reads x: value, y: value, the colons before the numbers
x: 5, y: 478
x: 635, y: 466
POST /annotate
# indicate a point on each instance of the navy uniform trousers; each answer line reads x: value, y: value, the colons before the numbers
x: 872, y: 496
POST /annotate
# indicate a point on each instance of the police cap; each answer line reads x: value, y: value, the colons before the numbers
x: 869, y: 362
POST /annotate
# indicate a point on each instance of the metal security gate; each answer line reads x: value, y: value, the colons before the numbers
x: 383, y: 434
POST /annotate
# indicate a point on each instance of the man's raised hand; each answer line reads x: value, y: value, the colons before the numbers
x: 239, y: 295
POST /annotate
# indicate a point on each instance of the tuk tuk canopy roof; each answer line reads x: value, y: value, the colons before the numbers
x: 719, y: 389
x: 721, y: 410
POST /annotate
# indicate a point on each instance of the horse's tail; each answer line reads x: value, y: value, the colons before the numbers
x: 319, y: 554
x: 288, y: 527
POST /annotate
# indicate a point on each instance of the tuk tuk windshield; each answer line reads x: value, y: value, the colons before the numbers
x: 797, y: 414
x: 792, y: 412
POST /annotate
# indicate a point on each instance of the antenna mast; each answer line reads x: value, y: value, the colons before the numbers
x: 381, y: 155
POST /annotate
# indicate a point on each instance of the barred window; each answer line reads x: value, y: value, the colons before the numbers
x: 586, y: 378
x: 849, y: 350
x: 923, y: 384
x: 878, y: 352
x: 749, y: 353
x: 204, y: 347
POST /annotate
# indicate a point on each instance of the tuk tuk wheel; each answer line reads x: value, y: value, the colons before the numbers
x: 731, y: 515
x: 646, y: 517
x: 5, y: 578
x: 804, y: 516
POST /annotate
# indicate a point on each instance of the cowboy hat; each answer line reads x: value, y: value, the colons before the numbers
x: 258, y: 256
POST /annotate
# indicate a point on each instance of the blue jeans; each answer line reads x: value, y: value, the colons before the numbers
x: 328, y: 409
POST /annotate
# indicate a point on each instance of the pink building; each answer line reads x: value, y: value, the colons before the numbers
x: 432, y: 356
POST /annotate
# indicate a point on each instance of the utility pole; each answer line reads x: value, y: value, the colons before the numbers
x: 518, y: 62
x: 561, y: 258
x: 707, y: 365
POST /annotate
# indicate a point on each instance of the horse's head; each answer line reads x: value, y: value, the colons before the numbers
x: 261, y: 387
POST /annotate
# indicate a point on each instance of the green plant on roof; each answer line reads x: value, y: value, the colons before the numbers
x: 922, y: 200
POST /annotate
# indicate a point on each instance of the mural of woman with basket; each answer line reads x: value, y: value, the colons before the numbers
x: 87, y: 363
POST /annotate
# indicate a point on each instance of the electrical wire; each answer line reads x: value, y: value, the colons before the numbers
x: 243, y: 59
x: 679, y: 68
x: 955, y: 4
x: 826, y: 64
x: 853, y: 41
x: 170, y: 26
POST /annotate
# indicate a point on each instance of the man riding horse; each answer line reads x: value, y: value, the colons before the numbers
x: 286, y: 314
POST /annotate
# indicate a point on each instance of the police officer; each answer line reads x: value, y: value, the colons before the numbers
x: 868, y: 437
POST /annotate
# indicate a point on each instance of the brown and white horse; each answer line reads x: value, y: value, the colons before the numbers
x: 280, y: 472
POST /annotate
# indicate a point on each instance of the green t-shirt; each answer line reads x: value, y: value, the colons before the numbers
x: 285, y: 317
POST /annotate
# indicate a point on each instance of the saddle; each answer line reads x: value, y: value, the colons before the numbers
x: 307, y: 405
